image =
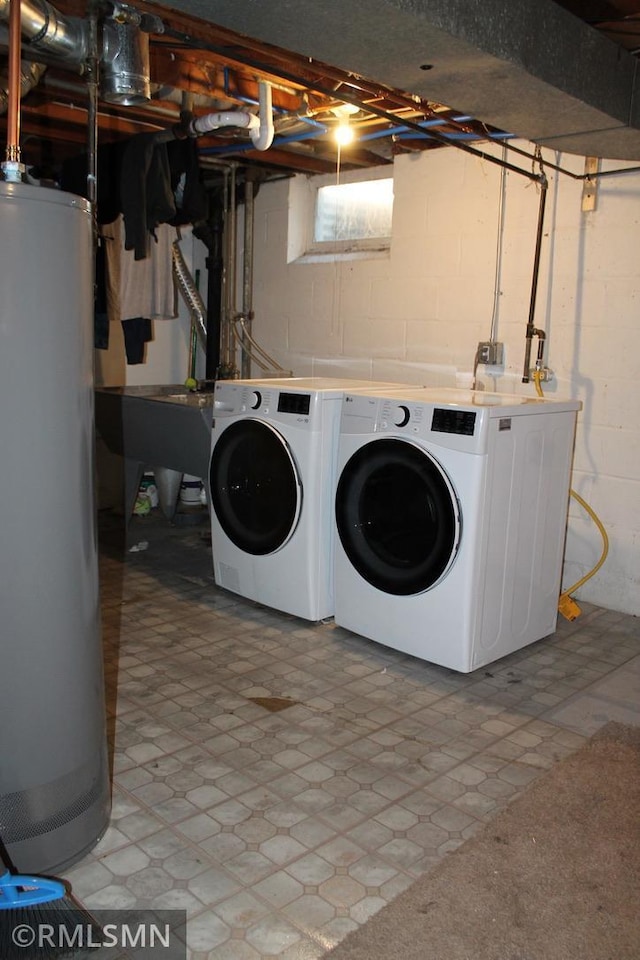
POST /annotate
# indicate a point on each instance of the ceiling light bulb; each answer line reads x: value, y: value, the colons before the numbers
x: 344, y: 133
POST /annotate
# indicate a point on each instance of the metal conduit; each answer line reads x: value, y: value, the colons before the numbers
x: 424, y: 124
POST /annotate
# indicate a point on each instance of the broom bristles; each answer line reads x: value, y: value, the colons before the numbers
x: 54, y: 929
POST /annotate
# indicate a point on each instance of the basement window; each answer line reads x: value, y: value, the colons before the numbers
x: 347, y: 220
x: 354, y: 211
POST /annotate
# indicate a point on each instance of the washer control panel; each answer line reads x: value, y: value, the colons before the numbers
x: 401, y: 415
x: 398, y: 414
x: 438, y: 419
x: 299, y: 403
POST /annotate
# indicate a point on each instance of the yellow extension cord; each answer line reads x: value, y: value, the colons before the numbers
x: 567, y: 606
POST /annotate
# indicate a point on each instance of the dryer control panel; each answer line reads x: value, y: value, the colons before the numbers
x: 453, y: 426
x: 303, y: 409
x: 451, y: 420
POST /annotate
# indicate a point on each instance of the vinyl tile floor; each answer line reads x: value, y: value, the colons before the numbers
x: 281, y: 780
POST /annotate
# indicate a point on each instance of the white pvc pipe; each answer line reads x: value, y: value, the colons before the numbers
x: 228, y: 118
x: 262, y: 138
x: 261, y: 129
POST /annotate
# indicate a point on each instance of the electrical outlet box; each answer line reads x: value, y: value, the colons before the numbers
x: 491, y: 352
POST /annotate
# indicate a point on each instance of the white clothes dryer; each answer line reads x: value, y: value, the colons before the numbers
x: 450, y: 510
x: 271, y: 479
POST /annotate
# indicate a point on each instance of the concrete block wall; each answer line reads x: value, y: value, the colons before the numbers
x: 417, y: 315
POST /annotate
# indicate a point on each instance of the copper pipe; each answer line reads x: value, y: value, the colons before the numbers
x: 13, y: 106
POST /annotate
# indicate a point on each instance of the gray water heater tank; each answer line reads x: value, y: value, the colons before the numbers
x: 54, y: 774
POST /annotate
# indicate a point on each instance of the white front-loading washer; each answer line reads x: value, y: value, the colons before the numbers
x: 450, y: 512
x: 271, y: 478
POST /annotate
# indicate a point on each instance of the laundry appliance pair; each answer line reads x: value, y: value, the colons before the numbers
x: 429, y: 520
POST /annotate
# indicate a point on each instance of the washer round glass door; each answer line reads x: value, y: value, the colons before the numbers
x: 398, y: 516
x: 255, y: 489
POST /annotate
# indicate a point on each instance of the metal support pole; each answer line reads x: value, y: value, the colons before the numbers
x: 247, y: 284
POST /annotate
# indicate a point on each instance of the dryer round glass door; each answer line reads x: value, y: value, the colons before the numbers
x: 398, y: 516
x: 255, y: 488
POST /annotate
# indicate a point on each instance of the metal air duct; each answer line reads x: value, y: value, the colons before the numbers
x: 30, y: 75
x: 50, y: 32
x: 125, y: 71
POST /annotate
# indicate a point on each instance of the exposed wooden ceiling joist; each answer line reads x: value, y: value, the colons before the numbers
x: 211, y: 68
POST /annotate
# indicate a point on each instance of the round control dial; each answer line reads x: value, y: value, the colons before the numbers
x: 256, y: 400
x: 401, y: 415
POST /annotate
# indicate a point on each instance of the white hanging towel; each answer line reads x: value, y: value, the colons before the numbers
x: 140, y: 288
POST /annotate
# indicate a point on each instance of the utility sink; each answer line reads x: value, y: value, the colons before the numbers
x: 166, y: 428
x: 189, y: 398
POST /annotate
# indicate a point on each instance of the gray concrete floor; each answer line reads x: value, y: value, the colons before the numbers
x: 280, y: 830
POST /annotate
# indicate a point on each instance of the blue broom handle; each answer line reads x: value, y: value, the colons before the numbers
x: 17, y: 890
